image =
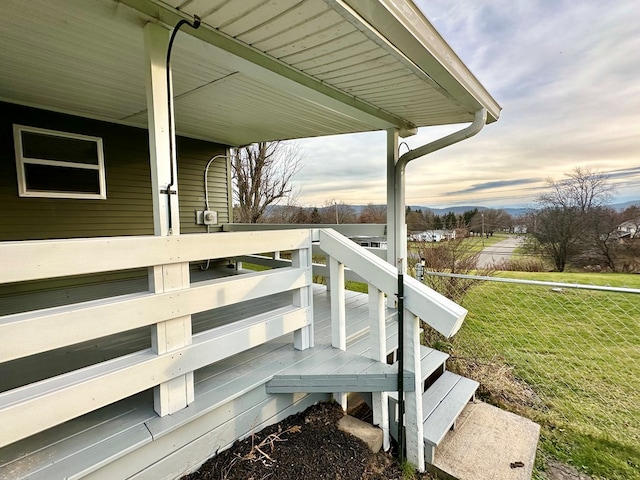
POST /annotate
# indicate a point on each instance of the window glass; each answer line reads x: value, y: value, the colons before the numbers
x: 58, y: 164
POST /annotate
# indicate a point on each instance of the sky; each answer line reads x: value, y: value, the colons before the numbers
x: 567, y: 75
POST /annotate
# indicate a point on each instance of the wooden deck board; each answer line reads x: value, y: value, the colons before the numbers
x: 442, y: 404
x: 83, y: 444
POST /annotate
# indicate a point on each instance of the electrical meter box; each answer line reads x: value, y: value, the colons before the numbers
x: 206, y: 217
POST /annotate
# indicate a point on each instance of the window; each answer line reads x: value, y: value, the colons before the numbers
x: 58, y: 164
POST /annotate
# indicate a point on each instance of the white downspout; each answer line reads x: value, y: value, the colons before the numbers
x: 410, y: 406
x: 399, y: 179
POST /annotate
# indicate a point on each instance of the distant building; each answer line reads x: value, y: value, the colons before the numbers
x: 434, y: 235
x: 371, y: 242
x: 627, y: 230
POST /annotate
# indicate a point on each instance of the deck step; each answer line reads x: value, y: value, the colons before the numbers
x: 431, y: 361
x: 442, y: 403
x: 345, y: 372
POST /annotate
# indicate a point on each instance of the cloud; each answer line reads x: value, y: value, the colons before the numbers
x: 496, y: 184
x: 566, y: 75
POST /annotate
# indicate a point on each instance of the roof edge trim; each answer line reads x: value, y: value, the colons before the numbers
x: 403, y: 24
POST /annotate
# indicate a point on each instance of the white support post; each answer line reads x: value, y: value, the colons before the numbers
x: 414, y: 435
x: 177, y: 393
x: 377, y: 334
x: 338, y: 316
x: 156, y: 40
x: 303, y: 297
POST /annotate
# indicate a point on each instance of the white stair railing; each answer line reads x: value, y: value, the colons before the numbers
x: 420, y: 302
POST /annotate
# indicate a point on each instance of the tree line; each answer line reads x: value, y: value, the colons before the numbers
x: 570, y: 223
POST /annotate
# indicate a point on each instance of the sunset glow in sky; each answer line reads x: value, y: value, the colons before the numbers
x: 567, y: 75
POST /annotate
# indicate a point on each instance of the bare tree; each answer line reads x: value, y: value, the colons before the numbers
x: 416, y: 222
x: 263, y: 174
x: 615, y: 248
x: 289, y: 213
x: 373, y: 214
x: 337, y: 212
x: 562, y: 222
x: 455, y: 256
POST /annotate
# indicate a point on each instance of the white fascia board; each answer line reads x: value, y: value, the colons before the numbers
x: 406, y: 27
x: 254, y: 63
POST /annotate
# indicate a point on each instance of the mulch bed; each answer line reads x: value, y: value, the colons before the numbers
x: 306, y: 446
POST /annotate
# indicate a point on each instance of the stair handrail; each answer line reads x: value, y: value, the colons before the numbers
x: 436, y: 310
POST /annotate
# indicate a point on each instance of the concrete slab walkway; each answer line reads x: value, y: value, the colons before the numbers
x: 488, y: 444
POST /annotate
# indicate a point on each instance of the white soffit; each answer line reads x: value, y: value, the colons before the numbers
x: 255, y: 70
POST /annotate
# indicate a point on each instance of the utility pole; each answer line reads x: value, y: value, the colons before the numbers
x: 482, y: 215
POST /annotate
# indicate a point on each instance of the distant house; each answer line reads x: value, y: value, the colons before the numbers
x: 371, y: 242
x: 434, y: 235
x: 627, y: 230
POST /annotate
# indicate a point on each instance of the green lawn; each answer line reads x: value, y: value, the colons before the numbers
x: 569, y: 360
x: 578, y: 352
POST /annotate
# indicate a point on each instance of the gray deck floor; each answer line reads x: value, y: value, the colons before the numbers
x: 215, y: 384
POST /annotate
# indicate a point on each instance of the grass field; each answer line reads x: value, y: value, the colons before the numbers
x: 574, y: 354
x: 568, y: 359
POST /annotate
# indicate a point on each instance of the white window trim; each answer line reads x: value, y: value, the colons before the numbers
x: 21, y: 160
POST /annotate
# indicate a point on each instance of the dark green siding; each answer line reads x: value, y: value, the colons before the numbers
x: 128, y: 207
x: 194, y: 156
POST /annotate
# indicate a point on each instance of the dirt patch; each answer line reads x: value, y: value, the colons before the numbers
x: 561, y: 471
x: 306, y: 446
x: 498, y: 385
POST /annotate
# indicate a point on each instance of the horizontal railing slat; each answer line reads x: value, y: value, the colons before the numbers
x: 40, y: 259
x: 33, y: 332
x: 73, y: 394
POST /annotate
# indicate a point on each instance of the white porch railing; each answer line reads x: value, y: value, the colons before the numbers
x: 347, y: 260
x: 70, y: 395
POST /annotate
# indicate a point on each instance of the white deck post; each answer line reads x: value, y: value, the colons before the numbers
x: 414, y: 435
x: 177, y: 393
x: 338, y: 316
x: 303, y: 338
x: 377, y: 334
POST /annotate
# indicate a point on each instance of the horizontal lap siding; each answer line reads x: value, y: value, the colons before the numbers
x: 128, y: 207
x: 194, y: 156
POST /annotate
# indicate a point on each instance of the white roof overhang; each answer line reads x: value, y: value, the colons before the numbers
x: 255, y: 70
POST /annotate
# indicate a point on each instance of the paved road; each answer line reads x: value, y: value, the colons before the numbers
x: 498, y: 252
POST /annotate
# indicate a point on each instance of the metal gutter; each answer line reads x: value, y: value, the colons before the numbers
x: 406, y: 342
x: 271, y: 71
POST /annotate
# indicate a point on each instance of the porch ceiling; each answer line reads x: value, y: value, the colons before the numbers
x: 255, y: 70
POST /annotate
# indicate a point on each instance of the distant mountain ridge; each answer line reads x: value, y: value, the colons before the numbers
x: 460, y: 209
x: 514, y: 211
